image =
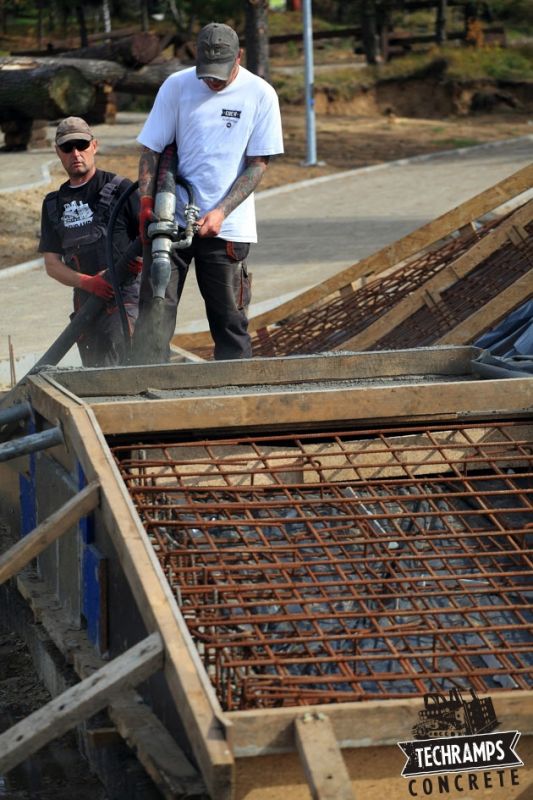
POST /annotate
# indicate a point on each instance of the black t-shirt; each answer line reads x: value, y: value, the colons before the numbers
x: 75, y: 206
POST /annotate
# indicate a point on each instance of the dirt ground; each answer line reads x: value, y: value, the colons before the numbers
x: 343, y: 142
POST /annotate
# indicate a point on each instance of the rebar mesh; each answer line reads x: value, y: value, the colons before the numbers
x: 342, y: 315
x: 347, y: 566
x: 459, y: 301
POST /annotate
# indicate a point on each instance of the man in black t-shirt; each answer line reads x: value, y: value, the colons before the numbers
x: 74, y: 224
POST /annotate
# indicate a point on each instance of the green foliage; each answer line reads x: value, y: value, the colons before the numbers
x: 454, y: 63
x: 455, y: 143
x: 518, y: 13
x: 494, y: 62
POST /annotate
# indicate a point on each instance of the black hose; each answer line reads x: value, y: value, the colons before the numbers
x: 188, y: 188
x: 115, y: 279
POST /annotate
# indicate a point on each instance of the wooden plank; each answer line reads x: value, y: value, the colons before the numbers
x: 155, y: 748
x: 277, y: 410
x: 321, y: 758
x: 179, y: 354
x: 272, y: 371
x: 371, y: 458
x: 360, y: 724
x: 492, y: 312
x: 81, y: 701
x: 48, y: 531
x: 193, y: 695
x: 392, y: 254
x: 445, y: 278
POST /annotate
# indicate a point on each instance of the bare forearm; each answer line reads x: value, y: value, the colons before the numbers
x: 147, y: 171
x: 58, y: 270
x: 245, y: 184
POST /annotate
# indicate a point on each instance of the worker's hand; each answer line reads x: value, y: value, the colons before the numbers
x: 211, y: 223
x: 146, y: 216
x: 97, y: 284
x: 135, y: 266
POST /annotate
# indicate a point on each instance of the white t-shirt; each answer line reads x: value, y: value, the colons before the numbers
x: 214, y: 131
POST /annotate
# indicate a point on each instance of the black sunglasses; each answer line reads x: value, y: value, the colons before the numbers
x: 79, y: 144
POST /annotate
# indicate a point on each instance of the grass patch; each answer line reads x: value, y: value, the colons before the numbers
x: 454, y: 63
x: 456, y: 144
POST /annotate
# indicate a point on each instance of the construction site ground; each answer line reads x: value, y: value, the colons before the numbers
x: 313, y: 221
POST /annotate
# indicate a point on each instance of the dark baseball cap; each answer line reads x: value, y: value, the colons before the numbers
x: 73, y: 128
x: 217, y: 47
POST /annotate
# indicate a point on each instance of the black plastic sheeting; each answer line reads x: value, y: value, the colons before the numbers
x: 464, y: 641
x: 508, y: 627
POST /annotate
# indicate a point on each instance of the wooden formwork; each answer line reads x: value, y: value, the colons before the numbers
x: 252, y: 754
x: 353, y: 308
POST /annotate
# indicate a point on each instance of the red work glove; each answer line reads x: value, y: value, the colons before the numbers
x: 146, y: 215
x: 135, y: 266
x: 97, y: 284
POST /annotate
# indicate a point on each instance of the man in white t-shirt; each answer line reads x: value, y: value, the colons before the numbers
x: 226, y: 123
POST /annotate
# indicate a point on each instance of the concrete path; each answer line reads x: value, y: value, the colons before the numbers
x: 307, y: 231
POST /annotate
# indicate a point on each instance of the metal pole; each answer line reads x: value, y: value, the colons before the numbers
x: 309, y: 83
x: 32, y: 443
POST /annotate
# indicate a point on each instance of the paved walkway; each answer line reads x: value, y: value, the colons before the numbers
x: 308, y: 231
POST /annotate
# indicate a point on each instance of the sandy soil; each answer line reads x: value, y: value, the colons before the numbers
x: 343, y: 142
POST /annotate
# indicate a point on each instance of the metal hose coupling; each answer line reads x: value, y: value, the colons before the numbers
x: 162, y: 235
x: 191, y: 213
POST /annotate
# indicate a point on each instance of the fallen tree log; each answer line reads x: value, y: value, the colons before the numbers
x: 131, y: 51
x: 43, y: 91
x: 147, y: 80
x: 95, y: 71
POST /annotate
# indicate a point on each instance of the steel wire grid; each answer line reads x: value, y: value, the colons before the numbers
x: 347, y: 566
x: 340, y: 317
x: 466, y: 295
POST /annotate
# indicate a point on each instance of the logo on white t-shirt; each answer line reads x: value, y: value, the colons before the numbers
x: 231, y: 116
x: 76, y: 214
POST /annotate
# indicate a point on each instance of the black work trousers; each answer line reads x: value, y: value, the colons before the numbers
x: 222, y: 278
x: 103, y: 344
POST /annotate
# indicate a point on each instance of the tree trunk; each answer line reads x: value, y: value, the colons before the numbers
x: 106, y: 16
x: 147, y: 80
x: 440, y: 22
x: 46, y: 91
x: 256, y: 34
x: 132, y: 51
x: 145, y: 18
x: 369, y: 31
x: 80, y: 15
x: 93, y: 71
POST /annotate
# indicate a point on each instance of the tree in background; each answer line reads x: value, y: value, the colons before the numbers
x: 256, y: 37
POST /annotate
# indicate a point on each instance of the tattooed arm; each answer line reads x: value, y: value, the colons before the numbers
x: 244, y: 185
x: 147, y: 180
x: 147, y: 171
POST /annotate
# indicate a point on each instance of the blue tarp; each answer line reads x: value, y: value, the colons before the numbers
x: 513, y: 336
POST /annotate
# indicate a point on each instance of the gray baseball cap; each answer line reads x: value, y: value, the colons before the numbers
x: 217, y: 47
x: 73, y: 128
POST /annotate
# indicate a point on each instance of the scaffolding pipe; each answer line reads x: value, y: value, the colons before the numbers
x: 31, y: 444
x: 15, y: 413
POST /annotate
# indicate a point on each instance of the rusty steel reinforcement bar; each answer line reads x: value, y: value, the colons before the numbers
x: 332, y: 567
